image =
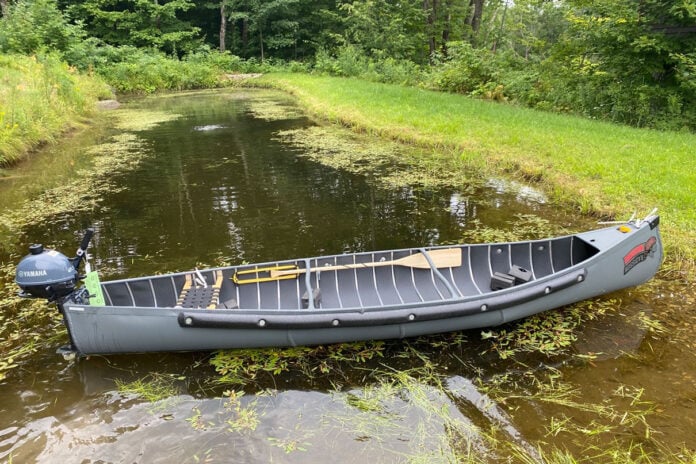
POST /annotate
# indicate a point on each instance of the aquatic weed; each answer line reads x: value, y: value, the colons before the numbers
x: 625, y: 411
x: 294, y: 440
x: 153, y: 388
x: 388, y: 163
x: 240, y: 367
x: 122, y: 153
x: 26, y: 326
x: 273, y: 110
x: 138, y: 120
x: 549, y: 333
x: 520, y: 227
x: 244, y: 417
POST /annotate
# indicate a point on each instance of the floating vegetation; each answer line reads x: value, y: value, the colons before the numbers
x: 23, y: 323
x: 548, y: 333
x: 520, y: 227
x: 121, y: 153
x: 595, y: 425
x: 245, y: 417
x: 388, y: 163
x: 152, y: 388
x: 241, y: 367
x: 273, y: 110
x: 289, y: 445
x: 138, y: 120
x: 160, y: 390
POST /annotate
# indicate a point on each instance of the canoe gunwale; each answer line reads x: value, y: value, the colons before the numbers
x: 427, y: 311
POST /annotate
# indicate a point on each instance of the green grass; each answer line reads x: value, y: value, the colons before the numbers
x: 597, y: 167
x: 40, y: 97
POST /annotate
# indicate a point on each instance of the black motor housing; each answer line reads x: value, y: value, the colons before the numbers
x: 46, y: 274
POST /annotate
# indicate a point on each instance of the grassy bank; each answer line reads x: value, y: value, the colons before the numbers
x: 600, y: 168
x: 41, y: 97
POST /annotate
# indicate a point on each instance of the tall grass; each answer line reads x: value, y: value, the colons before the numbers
x: 598, y: 167
x: 40, y: 96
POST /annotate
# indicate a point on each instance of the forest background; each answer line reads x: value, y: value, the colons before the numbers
x: 631, y: 62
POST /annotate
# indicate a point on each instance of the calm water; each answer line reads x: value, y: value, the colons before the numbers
x: 216, y: 185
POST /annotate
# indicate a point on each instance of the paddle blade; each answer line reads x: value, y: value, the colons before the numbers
x: 443, y: 257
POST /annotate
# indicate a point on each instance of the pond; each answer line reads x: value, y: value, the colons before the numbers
x: 208, y: 178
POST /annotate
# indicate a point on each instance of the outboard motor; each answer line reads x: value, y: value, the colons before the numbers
x: 49, y: 274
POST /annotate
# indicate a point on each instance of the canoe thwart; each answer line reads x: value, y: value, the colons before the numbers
x: 316, y: 298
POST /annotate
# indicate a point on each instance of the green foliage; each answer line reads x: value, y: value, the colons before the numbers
x: 268, y: 25
x: 351, y: 61
x: 134, y: 70
x: 388, y: 29
x: 152, y: 388
x: 626, y: 62
x: 35, y: 25
x: 141, y: 23
x: 464, y: 70
x: 140, y: 71
x: 629, y: 62
x: 39, y: 97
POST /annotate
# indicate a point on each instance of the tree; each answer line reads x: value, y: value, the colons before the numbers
x: 142, y: 23
x: 223, y: 26
x: 443, y: 23
x: 385, y: 28
x: 274, y: 23
x: 633, y: 60
x: 473, y: 20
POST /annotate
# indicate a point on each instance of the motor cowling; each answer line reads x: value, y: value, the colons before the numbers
x: 46, y: 274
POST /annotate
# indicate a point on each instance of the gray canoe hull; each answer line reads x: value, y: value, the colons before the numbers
x: 616, y: 260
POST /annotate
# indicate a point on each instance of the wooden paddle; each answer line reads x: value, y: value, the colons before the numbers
x: 445, y: 257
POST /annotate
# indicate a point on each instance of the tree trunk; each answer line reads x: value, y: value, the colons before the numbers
x: 430, y: 15
x: 223, y: 26
x: 245, y: 36
x: 502, y: 29
x: 474, y: 18
x: 4, y: 8
x: 261, y: 42
x: 446, y: 34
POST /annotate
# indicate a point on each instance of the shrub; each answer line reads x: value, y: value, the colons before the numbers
x: 37, y: 25
x: 134, y: 70
x: 464, y: 69
x: 351, y: 61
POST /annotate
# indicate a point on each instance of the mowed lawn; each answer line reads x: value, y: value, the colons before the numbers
x: 596, y: 166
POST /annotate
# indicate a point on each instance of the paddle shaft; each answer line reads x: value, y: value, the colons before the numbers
x: 447, y: 257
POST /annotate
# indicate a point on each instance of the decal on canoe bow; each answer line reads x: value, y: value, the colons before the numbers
x: 638, y: 254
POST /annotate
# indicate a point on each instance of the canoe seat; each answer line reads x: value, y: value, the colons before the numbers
x: 197, y: 293
x: 515, y: 276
